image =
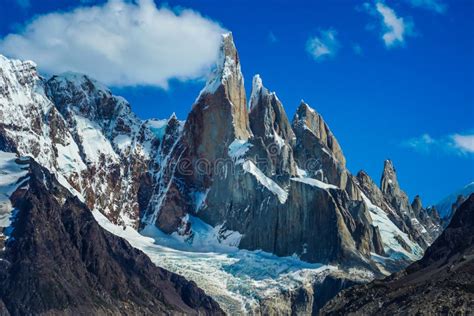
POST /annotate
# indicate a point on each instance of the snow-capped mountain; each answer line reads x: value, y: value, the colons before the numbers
x: 450, y: 203
x: 232, y: 175
x: 76, y: 128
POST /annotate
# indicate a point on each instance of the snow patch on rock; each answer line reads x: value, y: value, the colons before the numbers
x: 315, y: 183
x: 268, y: 183
x: 389, y: 232
x: 158, y: 127
x: 237, y: 150
x: 257, y: 90
x: 94, y: 143
x: 11, y: 174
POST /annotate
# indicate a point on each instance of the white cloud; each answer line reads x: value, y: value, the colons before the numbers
x: 323, y: 46
x: 464, y: 142
x: 461, y: 144
x: 394, y: 28
x: 423, y: 143
x: 434, y: 5
x: 120, y: 43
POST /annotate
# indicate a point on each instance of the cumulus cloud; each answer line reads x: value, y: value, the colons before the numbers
x: 461, y: 144
x: 394, y: 28
x: 324, y: 45
x: 434, y: 5
x: 120, y: 43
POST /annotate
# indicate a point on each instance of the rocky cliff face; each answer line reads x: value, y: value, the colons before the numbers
x: 264, y: 182
x: 269, y: 122
x: 58, y: 260
x: 76, y: 128
x: 422, y: 224
x: 411, y: 216
x: 440, y: 283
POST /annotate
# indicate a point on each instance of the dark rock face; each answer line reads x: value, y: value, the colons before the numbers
x: 416, y: 205
x: 306, y: 116
x: 317, y: 146
x: 325, y: 291
x: 459, y: 200
x: 440, y: 283
x: 58, y: 260
x: 268, y: 121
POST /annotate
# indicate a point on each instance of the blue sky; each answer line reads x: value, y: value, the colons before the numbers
x: 393, y: 79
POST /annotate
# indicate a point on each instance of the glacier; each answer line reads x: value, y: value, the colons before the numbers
x: 239, y: 280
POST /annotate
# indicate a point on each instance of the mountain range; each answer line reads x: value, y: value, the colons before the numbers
x: 237, y: 176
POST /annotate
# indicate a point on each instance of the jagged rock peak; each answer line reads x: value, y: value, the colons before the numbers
x: 17, y: 66
x: 257, y: 90
x: 308, y: 118
x: 365, y: 181
x: 227, y: 70
x: 417, y: 205
x: 83, y: 95
x: 79, y: 80
x: 225, y: 90
x: 362, y: 174
x: 77, y: 88
x: 14, y: 74
x: 268, y: 118
x: 389, y: 182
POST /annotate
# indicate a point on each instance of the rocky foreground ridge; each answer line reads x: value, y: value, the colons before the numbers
x: 57, y: 260
x: 441, y: 283
x: 268, y: 182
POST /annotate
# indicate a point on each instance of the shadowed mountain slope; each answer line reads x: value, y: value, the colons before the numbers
x: 58, y: 260
x: 441, y: 282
